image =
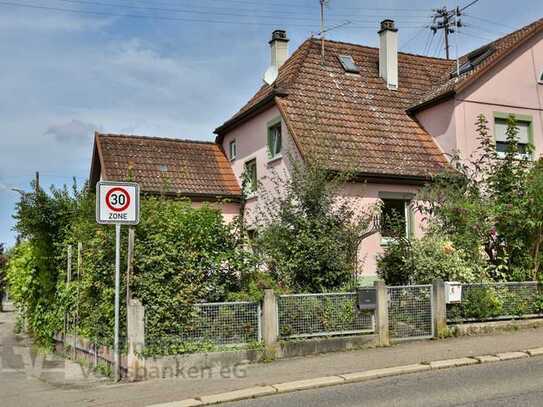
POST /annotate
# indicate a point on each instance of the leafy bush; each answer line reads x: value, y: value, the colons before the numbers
x: 310, y: 236
x: 481, y: 303
x: 183, y: 256
x: 421, y: 261
x: 491, y: 206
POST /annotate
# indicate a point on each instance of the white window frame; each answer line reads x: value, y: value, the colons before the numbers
x: 271, y: 127
x: 407, y: 198
x: 235, y: 145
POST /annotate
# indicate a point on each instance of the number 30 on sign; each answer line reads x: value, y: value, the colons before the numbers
x: 117, y: 202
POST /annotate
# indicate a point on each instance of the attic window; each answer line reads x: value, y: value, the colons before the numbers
x: 348, y: 64
x: 475, y: 58
x: 163, y: 167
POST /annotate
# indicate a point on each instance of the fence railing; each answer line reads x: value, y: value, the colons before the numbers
x: 410, y: 311
x: 311, y: 315
x: 220, y: 323
x: 497, y: 301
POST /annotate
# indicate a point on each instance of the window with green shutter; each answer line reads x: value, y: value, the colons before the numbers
x: 524, y: 135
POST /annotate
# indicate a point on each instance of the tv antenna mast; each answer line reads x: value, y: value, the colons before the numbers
x: 323, y: 3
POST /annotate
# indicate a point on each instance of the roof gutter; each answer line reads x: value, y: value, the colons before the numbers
x: 201, y: 196
x: 238, y: 120
x: 393, y: 179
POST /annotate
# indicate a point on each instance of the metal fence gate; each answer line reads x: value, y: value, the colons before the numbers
x: 410, y: 312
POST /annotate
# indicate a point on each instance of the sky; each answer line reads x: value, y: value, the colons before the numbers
x: 171, y: 68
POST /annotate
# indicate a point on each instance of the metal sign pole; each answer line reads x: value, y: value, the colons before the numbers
x: 116, y: 354
x: 117, y: 203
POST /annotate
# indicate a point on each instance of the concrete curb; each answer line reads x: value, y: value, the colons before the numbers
x: 281, y: 388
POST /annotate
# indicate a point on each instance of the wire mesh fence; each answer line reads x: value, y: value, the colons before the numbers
x: 410, y: 311
x: 309, y: 315
x: 495, y: 301
x: 221, y: 323
x: 226, y: 323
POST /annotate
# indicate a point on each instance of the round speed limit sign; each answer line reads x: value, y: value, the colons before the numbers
x: 117, y: 199
x: 117, y: 202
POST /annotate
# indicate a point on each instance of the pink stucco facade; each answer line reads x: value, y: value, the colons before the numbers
x: 510, y: 87
x: 251, y: 143
x: 230, y: 210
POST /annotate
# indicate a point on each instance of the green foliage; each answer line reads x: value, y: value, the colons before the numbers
x: 421, y: 261
x: 490, y: 207
x: 480, y: 303
x: 183, y: 256
x: 317, y: 314
x: 3, y: 267
x: 311, y: 236
x: 537, y: 304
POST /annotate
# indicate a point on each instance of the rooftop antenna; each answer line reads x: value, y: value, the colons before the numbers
x: 323, y: 3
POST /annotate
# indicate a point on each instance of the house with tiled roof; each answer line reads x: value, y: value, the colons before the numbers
x: 390, y: 118
x: 191, y: 169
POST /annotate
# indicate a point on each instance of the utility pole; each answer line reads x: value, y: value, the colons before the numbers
x: 448, y: 21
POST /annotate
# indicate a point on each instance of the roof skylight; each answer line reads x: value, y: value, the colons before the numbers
x: 348, y: 64
x: 475, y: 58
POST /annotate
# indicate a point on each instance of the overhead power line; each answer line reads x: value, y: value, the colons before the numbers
x: 283, y: 5
x: 162, y: 17
x: 205, y: 12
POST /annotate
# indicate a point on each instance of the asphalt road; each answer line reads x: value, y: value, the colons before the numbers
x: 511, y: 383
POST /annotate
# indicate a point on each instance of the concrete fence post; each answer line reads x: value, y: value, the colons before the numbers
x: 136, y: 339
x: 270, y: 320
x: 439, y: 309
x: 381, y: 313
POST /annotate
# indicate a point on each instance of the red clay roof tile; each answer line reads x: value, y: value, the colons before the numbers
x: 190, y: 168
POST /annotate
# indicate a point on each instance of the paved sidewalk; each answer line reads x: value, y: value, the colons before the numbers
x: 18, y: 390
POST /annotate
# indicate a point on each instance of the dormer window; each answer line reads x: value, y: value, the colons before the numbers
x: 348, y: 64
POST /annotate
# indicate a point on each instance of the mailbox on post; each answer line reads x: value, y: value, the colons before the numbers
x: 453, y: 292
x: 367, y: 298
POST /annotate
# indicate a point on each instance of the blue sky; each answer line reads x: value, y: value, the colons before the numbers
x: 169, y: 68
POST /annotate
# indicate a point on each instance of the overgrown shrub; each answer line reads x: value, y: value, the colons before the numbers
x: 490, y: 206
x: 421, y: 261
x: 183, y: 256
x: 309, y: 236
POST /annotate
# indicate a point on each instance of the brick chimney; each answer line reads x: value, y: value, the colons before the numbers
x: 388, y: 53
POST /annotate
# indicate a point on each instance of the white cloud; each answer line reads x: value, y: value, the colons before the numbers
x: 74, y: 131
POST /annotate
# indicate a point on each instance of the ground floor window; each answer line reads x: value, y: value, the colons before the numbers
x: 396, y: 218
